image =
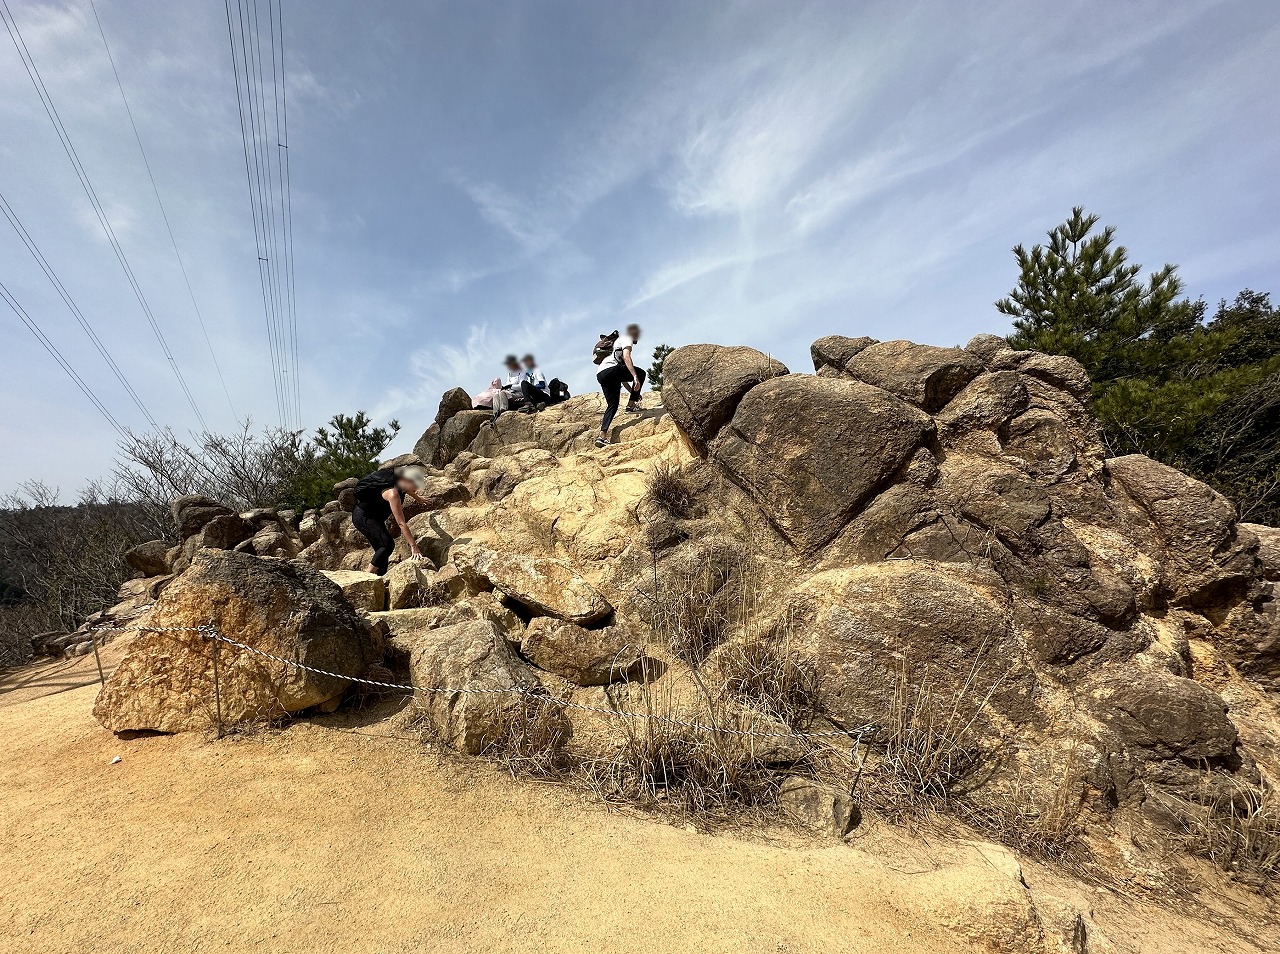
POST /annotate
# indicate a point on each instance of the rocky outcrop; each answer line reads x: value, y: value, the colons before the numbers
x: 704, y: 383
x: 547, y: 586
x: 364, y: 591
x: 451, y: 662
x: 923, y: 375
x: 586, y: 657
x: 166, y: 684
x: 1205, y: 551
x: 929, y: 536
x: 150, y: 558
x: 788, y: 447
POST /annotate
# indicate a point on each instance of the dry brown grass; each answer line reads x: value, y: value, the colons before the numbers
x: 671, y: 491
x: 1041, y: 817
x: 531, y: 737
x: 716, y: 740
x: 930, y: 748
x: 1233, y: 824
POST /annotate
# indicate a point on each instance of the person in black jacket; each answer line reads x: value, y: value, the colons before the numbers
x: 381, y: 495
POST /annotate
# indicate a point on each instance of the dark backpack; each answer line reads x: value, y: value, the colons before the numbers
x: 558, y: 390
x: 604, y: 348
x: 370, y: 487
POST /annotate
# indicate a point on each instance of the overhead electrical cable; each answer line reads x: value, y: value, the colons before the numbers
x: 49, y: 346
x: 15, y: 34
x: 163, y: 213
x: 246, y: 62
x: 286, y: 188
x: 34, y: 249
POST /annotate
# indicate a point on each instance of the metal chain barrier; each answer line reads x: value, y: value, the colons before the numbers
x: 211, y: 633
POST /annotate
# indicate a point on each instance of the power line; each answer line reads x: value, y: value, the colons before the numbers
x: 49, y: 346
x: 282, y: 143
x: 34, y: 249
x: 253, y: 131
x: 64, y: 137
x: 164, y: 214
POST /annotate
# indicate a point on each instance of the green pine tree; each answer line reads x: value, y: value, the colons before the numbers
x: 655, y: 370
x: 347, y: 447
x: 1201, y: 396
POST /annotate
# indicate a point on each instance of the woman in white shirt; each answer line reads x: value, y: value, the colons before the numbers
x: 619, y: 371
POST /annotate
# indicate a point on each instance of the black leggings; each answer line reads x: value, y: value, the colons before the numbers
x: 612, y: 381
x: 379, y: 537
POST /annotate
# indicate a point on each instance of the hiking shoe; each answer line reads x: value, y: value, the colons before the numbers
x: 633, y: 409
x: 603, y: 441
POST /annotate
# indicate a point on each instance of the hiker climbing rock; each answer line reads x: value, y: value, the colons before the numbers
x: 381, y: 495
x: 618, y: 371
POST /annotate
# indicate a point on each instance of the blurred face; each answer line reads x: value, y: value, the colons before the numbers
x: 513, y: 365
x: 633, y: 332
x: 529, y: 362
x: 407, y: 485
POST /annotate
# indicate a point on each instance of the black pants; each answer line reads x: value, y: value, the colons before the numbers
x: 379, y: 537
x: 534, y: 395
x: 612, y: 381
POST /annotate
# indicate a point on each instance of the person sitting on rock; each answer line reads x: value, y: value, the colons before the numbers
x: 381, y: 495
x: 511, y: 396
x: 535, y: 388
x: 618, y: 371
x: 533, y: 384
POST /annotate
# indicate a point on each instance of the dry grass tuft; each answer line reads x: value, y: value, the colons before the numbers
x: 1041, y: 817
x: 531, y: 737
x: 931, y: 749
x: 1234, y: 825
x: 671, y: 491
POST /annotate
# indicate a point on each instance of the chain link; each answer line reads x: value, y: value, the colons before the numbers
x: 211, y: 632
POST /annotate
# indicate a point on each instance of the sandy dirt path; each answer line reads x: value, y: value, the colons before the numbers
x: 319, y: 840
x: 315, y: 840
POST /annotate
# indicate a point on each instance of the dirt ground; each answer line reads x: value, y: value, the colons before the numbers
x: 317, y: 839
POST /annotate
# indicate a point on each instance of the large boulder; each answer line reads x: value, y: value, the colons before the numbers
x: 456, y: 435
x: 835, y: 351
x: 191, y: 513
x: 288, y: 610
x: 586, y: 657
x: 150, y: 558
x: 812, y: 451
x: 452, y: 402
x: 703, y: 383
x: 1268, y: 548
x: 224, y: 531
x: 549, y: 587
x: 1206, y: 552
x: 924, y: 375
x: 908, y: 637
x: 474, y: 688
x: 1164, y: 716
x: 365, y: 591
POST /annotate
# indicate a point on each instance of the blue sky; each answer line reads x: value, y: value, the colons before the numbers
x: 470, y: 179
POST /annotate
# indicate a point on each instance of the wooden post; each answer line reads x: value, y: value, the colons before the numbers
x: 102, y: 679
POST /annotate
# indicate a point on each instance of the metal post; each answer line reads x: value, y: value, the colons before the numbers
x: 98, y: 659
x: 217, y: 687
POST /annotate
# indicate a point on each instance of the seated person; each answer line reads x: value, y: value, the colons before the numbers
x: 535, y: 388
x: 510, y: 396
x: 533, y: 384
